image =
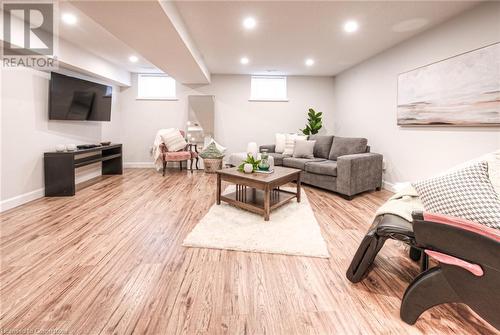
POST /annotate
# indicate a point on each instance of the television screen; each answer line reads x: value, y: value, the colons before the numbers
x: 76, y: 99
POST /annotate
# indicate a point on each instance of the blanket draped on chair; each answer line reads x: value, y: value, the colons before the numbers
x: 402, y: 204
x: 156, y: 150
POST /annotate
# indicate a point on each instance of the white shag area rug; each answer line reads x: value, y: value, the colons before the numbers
x: 291, y: 230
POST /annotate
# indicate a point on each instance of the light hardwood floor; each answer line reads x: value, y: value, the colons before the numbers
x: 110, y: 261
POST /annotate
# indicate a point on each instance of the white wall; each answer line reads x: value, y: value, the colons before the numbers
x: 365, y: 100
x: 237, y: 120
x: 26, y: 133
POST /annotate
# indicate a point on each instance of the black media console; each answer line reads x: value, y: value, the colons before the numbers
x: 59, y: 167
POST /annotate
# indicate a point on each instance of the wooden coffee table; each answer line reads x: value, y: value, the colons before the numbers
x: 258, y: 192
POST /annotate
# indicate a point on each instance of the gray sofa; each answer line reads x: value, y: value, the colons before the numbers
x: 340, y: 164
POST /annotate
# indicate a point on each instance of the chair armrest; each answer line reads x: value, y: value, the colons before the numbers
x: 359, y: 172
x: 269, y: 147
x: 458, y: 237
x: 475, y: 269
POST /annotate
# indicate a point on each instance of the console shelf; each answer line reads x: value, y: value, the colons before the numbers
x: 59, y: 167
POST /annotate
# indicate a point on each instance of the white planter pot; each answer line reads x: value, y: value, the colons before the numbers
x: 248, y: 168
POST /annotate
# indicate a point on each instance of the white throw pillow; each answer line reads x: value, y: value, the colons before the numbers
x: 290, y: 143
x: 280, y: 143
x: 174, y: 140
x: 303, y: 149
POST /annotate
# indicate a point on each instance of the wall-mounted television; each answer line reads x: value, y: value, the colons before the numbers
x: 78, y: 100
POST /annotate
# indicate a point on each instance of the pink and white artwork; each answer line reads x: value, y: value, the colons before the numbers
x: 460, y: 91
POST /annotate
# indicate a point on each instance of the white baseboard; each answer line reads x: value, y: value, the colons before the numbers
x: 21, y: 199
x: 149, y: 165
x: 388, y: 186
x: 138, y: 165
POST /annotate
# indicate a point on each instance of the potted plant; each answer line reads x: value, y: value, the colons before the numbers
x: 314, y: 123
x: 249, y: 165
x: 212, y: 158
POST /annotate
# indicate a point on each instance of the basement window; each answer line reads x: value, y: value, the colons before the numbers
x: 268, y: 88
x: 155, y: 87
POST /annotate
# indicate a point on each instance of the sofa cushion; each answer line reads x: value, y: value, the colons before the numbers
x: 322, y: 146
x: 326, y: 167
x: 347, y: 146
x: 278, y: 158
x: 299, y: 163
x: 176, y: 156
x: 304, y: 149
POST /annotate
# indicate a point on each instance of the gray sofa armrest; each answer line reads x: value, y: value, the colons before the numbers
x: 358, y: 173
x: 270, y: 147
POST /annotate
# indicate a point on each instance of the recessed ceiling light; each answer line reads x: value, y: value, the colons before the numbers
x: 133, y: 59
x: 351, y: 26
x: 69, y: 18
x: 249, y: 23
x: 309, y: 62
x: 244, y: 60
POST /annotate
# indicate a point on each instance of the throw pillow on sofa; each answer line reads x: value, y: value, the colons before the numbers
x: 303, y: 149
x: 173, y: 140
x: 280, y: 143
x: 322, y: 146
x: 465, y: 193
x: 290, y: 143
x: 342, y: 146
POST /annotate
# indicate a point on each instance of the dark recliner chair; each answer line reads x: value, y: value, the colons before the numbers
x: 469, y: 262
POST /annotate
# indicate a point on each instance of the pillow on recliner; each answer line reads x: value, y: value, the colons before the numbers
x: 465, y: 193
x: 342, y: 146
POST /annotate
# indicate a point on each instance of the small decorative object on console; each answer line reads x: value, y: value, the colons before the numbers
x: 71, y: 147
x: 60, y: 148
x: 105, y: 143
x: 87, y: 146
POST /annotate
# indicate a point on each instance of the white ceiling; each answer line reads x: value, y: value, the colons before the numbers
x: 289, y: 32
x: 90, y: 36
x: 154, y: 30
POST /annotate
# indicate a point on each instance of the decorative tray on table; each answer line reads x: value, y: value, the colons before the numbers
x: 264, y: 171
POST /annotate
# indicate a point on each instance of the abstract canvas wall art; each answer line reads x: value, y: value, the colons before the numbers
x: 460, y: 91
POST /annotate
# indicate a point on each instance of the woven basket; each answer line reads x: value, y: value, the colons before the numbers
x: 212, y: 164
